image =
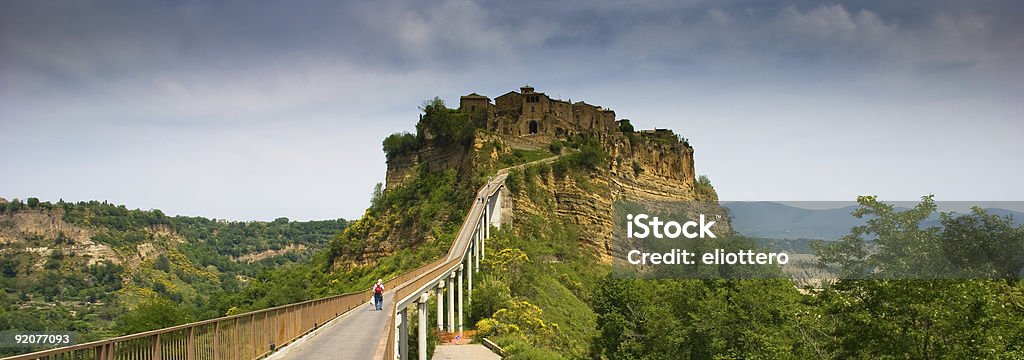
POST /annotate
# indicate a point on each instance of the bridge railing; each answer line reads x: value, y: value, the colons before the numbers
x: 255, y: 334
x: 244, y: 336
x: 403, y: 291
x: 426, y: 275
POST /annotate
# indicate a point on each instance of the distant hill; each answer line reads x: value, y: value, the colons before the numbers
x: 83, y: 266
x: 765, y: 219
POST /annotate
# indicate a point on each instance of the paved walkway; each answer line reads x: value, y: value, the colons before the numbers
x: 359, y: 333
x: 354, y: 335
x: 464, y: 352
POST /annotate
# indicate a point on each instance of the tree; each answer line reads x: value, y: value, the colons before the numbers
x: 377, y: 196
x: 592, y: 155
x: 443, y: 125
x: 9, y: 267
x: 625, y: 126
x: 882, y: 307
x: 55, y: 260
x: 15, y: 205
x: 895, y: 244
x: 983, y: 245
x: 700, y: 319
x: 153, y: 313
x: 162, y: 263
x: 400, y: 143
x: 62, y: 238
x: 704, y: 189
x: 555, y: 147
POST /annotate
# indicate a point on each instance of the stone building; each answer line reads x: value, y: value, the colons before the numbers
x: 531, y: 113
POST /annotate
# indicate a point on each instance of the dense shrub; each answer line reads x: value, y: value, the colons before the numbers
x: 400, y: 143
x: 514, y: 181
x: 704, y: 189
x: 625, y: 126
x: 555, y: 147
x: 446, y: 126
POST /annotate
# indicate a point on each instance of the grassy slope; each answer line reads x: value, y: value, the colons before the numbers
x: 538, y: 306
x: 432, y: 204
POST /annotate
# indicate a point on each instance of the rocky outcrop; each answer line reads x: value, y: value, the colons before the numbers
x: 43, y: 231
x: 436, y: 158
x: 260, y: 255
x: 641, y: 171
x: 648, y: 165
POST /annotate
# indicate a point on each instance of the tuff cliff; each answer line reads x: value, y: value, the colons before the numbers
x: 458, y: 148
x: 43, y: 231
x: 637, y: 169
x: 435, y: 158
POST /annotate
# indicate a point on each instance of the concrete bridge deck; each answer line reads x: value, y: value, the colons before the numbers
x: 363, y: 332
x: 355, y: 335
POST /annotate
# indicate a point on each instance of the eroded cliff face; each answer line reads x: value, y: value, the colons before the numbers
x: 655, y: 166
x: 41, y: 232
x: 436, y: 158
x: 584, y: 200
x: 651, y: 170
x: 662, y: 172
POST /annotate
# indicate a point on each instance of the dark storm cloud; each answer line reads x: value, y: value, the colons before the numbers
x: 69, y: 41
x: 213, y: 94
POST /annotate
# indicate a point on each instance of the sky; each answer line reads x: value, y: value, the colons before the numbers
x: 248, y: 110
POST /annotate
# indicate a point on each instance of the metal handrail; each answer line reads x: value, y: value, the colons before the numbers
x: 425, y: 278
x: 273, y: 327
x: 248, y: 335
x: 255, y: 334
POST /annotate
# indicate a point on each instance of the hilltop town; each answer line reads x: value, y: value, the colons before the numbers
x: 652, y: 164
x: 528, y: 113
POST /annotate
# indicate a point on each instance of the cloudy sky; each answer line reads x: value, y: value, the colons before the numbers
x: 254, y: 110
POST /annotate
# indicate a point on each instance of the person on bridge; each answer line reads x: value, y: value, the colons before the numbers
x: 378, y: 295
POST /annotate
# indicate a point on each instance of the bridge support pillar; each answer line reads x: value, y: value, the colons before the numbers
x: 476, y: 251
x: 495, y: 213
x: 459, y: 271
x: 403, y: 334
x: 421, y: 340
x: 489, y: 217
x: 469, y: 273
x: 451, y: 303
x: 440, y: 306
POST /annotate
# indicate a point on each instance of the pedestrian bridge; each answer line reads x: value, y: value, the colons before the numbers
x: 338, y: 327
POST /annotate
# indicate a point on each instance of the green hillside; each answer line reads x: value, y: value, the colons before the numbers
x: 103, y: 270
